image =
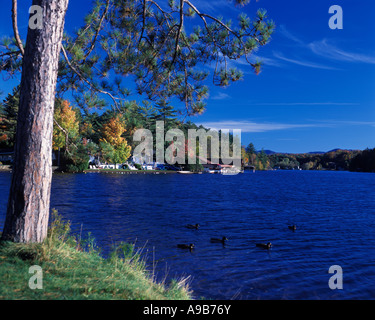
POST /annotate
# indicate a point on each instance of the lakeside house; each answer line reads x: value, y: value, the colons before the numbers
x: 218, y: 167
x: 148, y: 163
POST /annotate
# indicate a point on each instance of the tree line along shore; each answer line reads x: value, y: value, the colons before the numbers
x: 108, y: 136
x: 338, y: 159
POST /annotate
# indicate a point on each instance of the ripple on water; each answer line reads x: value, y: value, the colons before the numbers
x: 334, y: 213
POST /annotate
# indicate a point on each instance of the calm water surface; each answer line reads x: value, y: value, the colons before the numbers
x: 334, y: 212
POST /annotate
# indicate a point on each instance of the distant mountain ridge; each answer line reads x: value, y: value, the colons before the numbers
x: 270, y: 152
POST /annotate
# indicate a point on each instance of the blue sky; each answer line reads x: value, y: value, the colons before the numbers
x: 316, y: 90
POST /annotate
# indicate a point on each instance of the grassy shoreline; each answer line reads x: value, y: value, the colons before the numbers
x: 74, y: 270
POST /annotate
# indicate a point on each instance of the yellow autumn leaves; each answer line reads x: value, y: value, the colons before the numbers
x: 67, y: 129
x: 66, y: 125
x: 114, y: 147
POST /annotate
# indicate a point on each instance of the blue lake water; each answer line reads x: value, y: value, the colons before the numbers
x: 334, y: 213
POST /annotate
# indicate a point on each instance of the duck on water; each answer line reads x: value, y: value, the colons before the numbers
x: 186, y: 246
x: 267, y: 245
x: 192, y: 226
x: 218, y: 240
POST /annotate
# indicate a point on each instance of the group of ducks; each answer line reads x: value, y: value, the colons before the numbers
x: 190, y: 246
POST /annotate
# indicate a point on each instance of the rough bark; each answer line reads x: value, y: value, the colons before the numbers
x: 29, y: 198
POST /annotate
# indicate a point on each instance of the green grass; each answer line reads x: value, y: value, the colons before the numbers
x: 74, y: 269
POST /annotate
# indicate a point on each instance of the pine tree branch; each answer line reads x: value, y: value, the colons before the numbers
x: 87, y: 81
x: 143, y: 22
x: 180, y: 26
x: 165, y: 14
x: 204, y: 15
x: 10, y: 53
x: 97, y: 31
x: 15, y: 27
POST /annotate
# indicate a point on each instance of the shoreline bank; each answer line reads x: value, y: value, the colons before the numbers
x: 124, y: 171
x: 74, y: 269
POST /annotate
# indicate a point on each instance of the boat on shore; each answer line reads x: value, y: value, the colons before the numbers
x: 185, y: 172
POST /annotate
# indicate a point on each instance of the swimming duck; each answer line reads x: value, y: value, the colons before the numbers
x: 192, y: 226
x: 217, y: 240
x: 267, y: 245
x: 186, y: 246
x: 293, y: 227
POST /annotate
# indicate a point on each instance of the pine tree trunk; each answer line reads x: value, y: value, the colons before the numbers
x: 29, y: 198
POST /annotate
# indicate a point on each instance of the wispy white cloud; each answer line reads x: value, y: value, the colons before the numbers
x: 287, y: 139
x: 250, y: 126
x: 287, y: 34
x: 286, y: 104
x: 245, y: 66
x: 220, y: 96
x: 321, y: 48
x: 330, y: 51
x: 303, y: 62
x: 337, y: 123
x: 267, y: 61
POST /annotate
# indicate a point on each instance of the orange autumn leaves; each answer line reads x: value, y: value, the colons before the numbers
x: 114, y: 147
x: 67, y: 129
x: 3, y: 136
x: 112, y: 131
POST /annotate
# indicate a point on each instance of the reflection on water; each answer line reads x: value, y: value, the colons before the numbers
x: 334, y: 213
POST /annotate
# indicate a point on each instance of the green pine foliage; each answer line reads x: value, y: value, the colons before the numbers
x: 163, y: 50
x: 8, y: 116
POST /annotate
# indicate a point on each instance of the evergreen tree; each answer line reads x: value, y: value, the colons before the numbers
x: 262, y: 160
x: 251, y: 152
x: 166, y: 113
x: 91, y: 126
x: 250, y: 149
x: 8, y: 117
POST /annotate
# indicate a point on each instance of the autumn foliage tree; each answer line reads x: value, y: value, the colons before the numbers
x: 114, y: 147
x: 66, y: 125
x: 244, y: 156
x: 3, y: 136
